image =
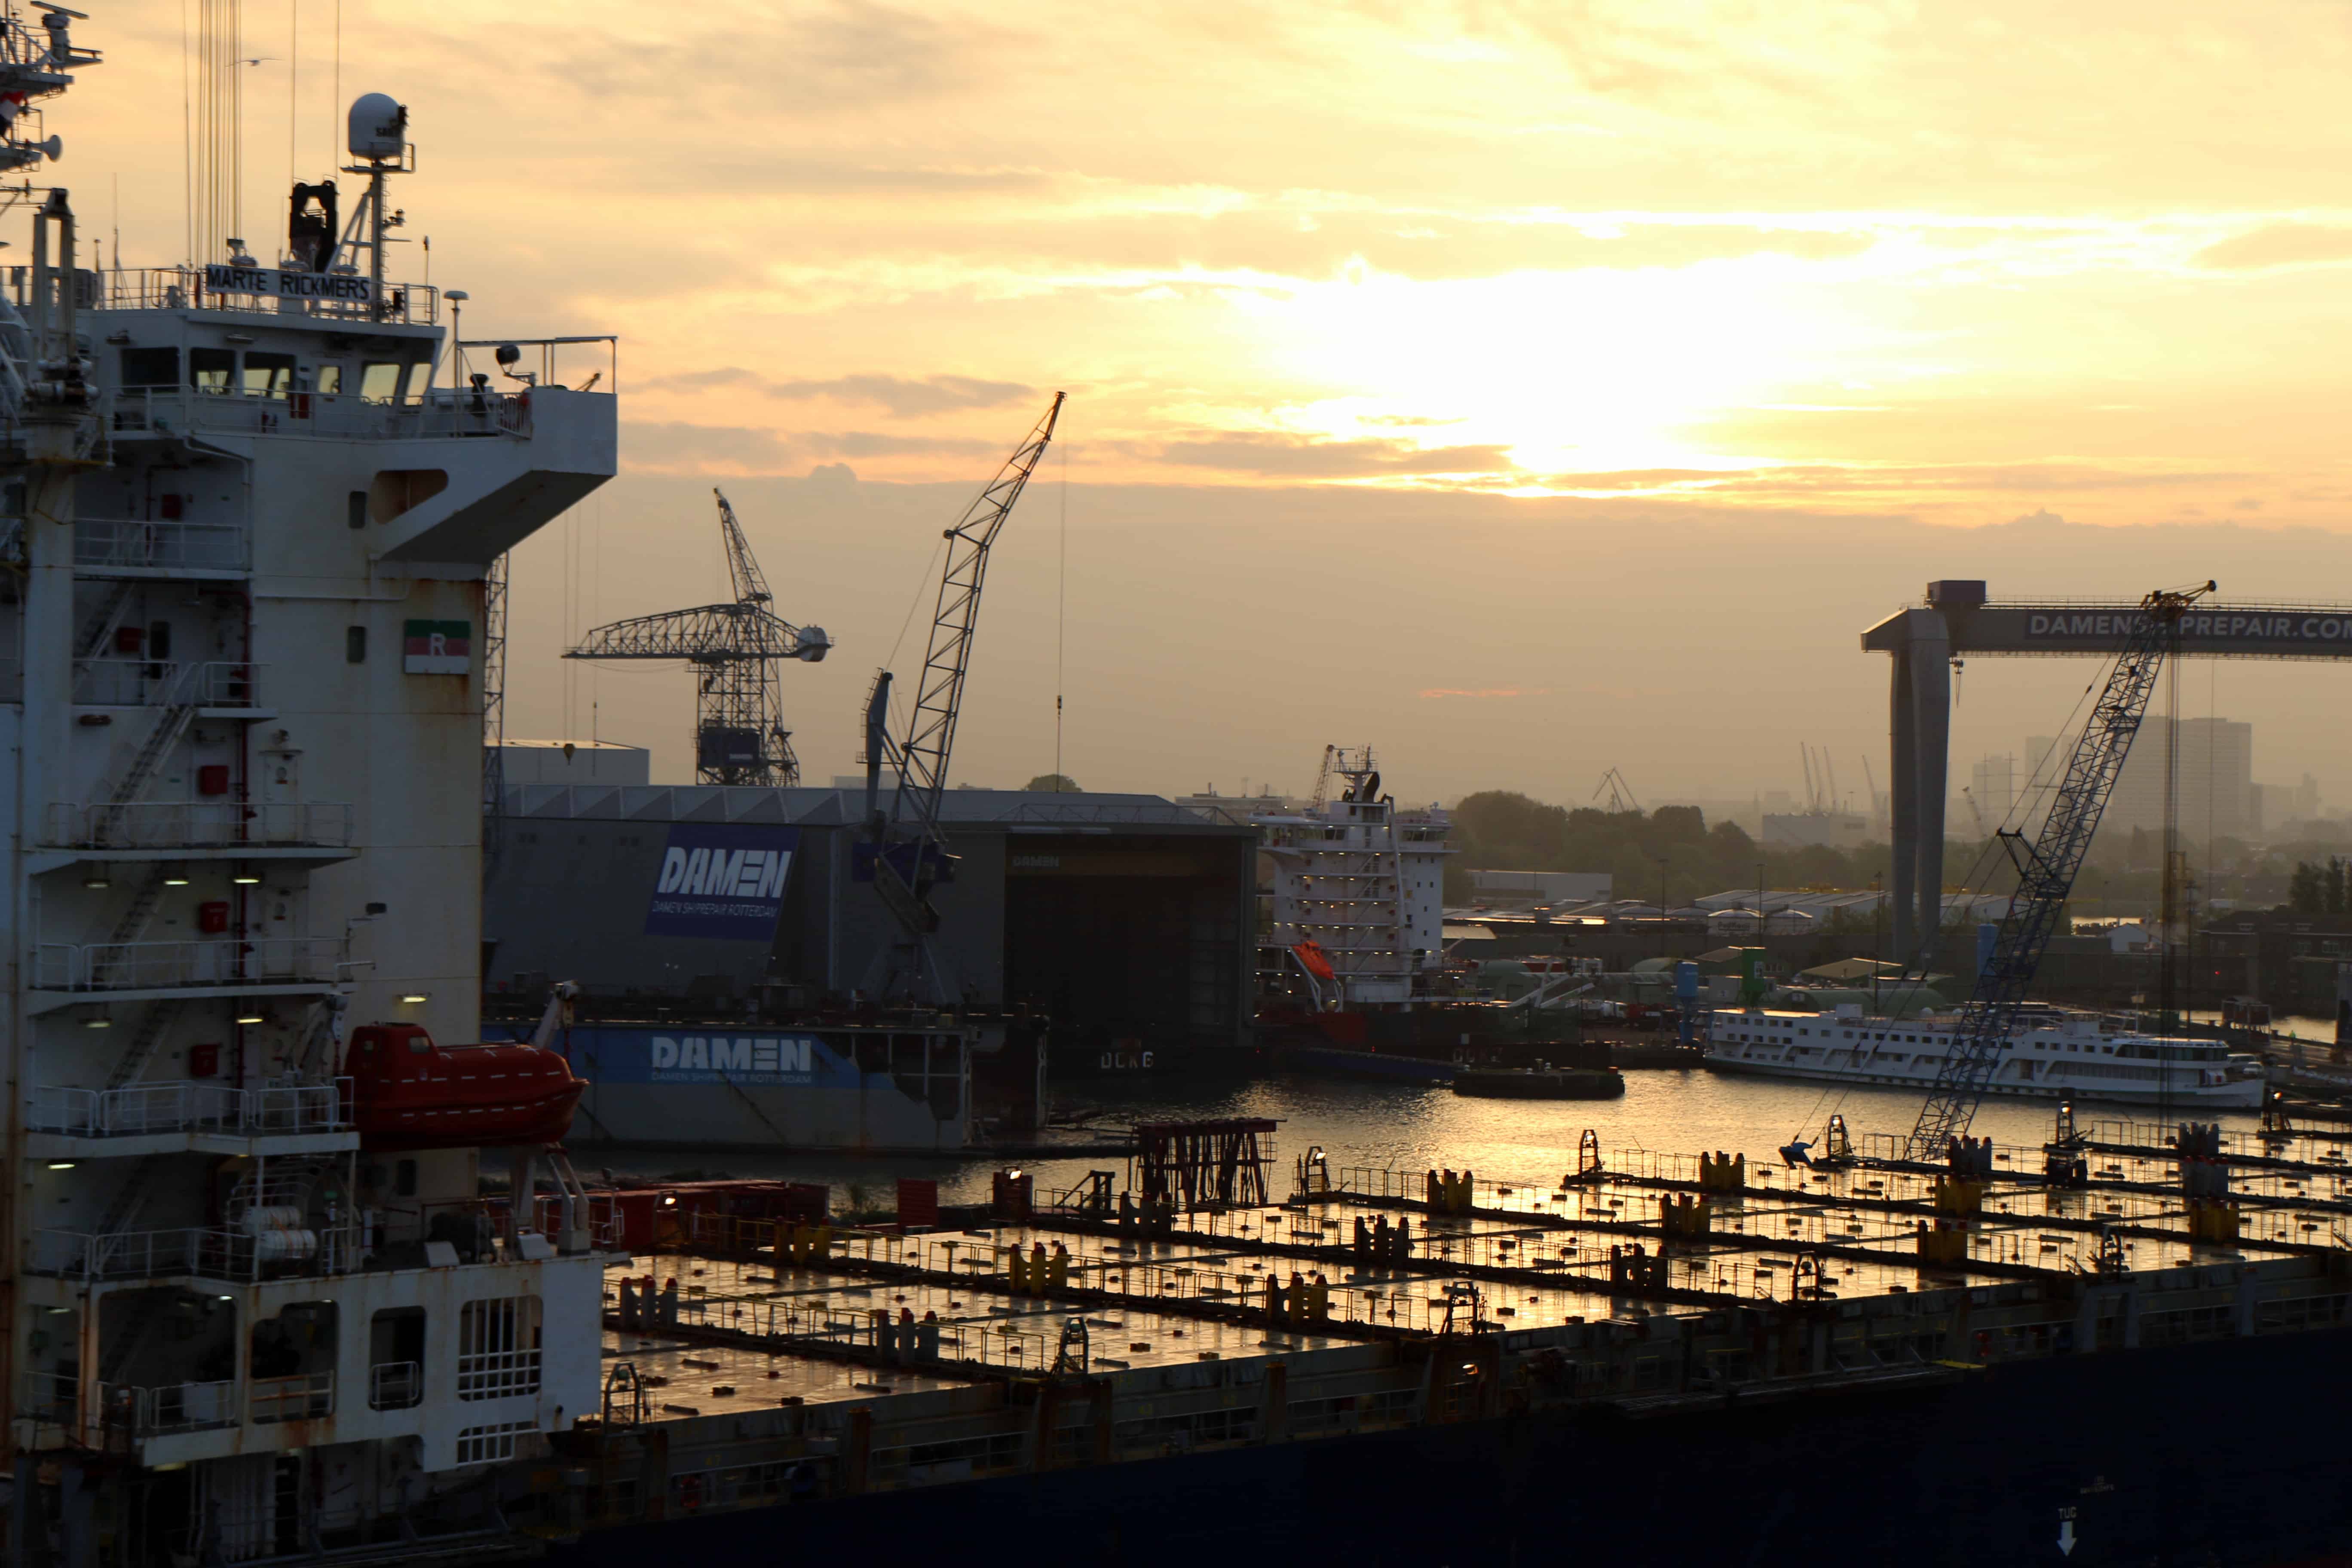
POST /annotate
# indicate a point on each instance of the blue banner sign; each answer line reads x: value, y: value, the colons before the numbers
x: 746, y: 1060
x: 720, y: 881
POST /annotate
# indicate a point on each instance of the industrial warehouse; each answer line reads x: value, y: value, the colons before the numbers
x: 1121, y: 921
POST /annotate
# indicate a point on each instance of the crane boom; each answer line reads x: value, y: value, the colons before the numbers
x: 907, y: 849
x: 738, y: 732
x: 708, y: 634
x: 2045, y: 874
x: 938, y: 696
x: 751, y: 588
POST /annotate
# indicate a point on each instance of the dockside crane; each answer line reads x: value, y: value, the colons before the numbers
x: 739, y: 725
x: 905, y: 852
x: 2045, y: 873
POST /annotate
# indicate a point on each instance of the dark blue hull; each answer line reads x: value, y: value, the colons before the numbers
x: 1334, y: 1059
x: 2225, y: 1454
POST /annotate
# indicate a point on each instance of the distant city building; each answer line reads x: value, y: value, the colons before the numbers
x: 1993, y: 781
x: 2277, y: 805
x: 2214, y: 784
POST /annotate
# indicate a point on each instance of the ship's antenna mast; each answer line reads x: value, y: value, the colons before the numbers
x: 379, y: 136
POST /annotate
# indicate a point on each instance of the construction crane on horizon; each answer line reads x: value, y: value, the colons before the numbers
x: 1975, y: 810
x: 738, y: 727
x: 906, y: 850
x: 2046, y: 870
x: 1620, y: 793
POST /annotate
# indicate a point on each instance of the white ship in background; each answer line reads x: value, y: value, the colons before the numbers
x: 247, y: 531
x: 1359, y: 890
x: 2056, y: 1054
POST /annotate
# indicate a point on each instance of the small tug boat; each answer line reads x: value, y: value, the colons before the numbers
x: 408, y: 1092
x: 1539, y: 1083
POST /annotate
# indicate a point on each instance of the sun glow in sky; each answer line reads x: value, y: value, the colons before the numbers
x: 1786, y: 269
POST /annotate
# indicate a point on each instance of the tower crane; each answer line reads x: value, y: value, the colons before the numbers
x: 2045, y: 873
x: 738, y: 727
x: 905, y: 851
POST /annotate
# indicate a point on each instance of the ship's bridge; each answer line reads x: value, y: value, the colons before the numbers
x: 178, y: 357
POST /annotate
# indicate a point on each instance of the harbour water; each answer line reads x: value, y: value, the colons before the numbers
x: 1410, y: 1127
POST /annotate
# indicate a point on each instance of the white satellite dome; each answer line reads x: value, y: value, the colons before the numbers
x: 379, y: 126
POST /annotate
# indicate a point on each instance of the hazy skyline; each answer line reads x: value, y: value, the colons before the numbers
x: 1528, y: 389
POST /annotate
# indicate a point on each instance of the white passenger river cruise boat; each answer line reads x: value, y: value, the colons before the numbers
x: 2056, y: 1054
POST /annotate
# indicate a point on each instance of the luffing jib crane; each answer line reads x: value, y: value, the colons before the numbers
x: 2045, y: 873
x: 738, y: 723
x: 906, y: 852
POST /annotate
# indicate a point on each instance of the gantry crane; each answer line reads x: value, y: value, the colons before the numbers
x: 738, y: 727
x: 2045, y: 873
x: 906, y: 852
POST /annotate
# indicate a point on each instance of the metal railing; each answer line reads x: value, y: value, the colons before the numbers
x: 438, y: 412
x: 175, y: 1408
x: 117, y: 1413
x: 496, y: 1374
x: 162, y: 683
x: 395, y: 1385
x: 291, y: 1108
x: 182, y: 288
x: 199, y: 823
x: 128, y: 1112
x: 104, y: 541
x: 143, y: 1109
x: 305, y: 1396
x: 163, y: 965
x: 194, y: 1251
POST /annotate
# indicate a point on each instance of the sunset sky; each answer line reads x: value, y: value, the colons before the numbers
x: 1526, y: 389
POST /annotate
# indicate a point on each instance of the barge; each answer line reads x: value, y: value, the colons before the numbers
x: 1560, y: 1357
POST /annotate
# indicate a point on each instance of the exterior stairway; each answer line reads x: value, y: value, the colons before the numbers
x: 90, y: 639
x: 152, y: 1030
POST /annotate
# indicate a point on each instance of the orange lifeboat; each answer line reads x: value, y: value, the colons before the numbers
x: 409, y: 1093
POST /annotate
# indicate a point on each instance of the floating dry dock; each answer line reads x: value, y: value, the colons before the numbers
x: 1669, y: 1297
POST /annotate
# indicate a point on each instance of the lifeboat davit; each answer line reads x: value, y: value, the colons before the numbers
x: 409, y: 1093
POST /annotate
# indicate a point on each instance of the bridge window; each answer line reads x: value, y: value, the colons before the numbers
x: 269, y: 374
x: 211, y: 370
x: 151, y: 367
x: 330, y: 380
x: 380, y: 380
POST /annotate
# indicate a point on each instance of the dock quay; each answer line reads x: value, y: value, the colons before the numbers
x: 1074, y: 1368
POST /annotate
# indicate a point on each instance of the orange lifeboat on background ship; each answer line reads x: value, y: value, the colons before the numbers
x: 409, y: 1093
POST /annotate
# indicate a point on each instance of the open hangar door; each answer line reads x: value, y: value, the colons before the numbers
x: 1136, y: 947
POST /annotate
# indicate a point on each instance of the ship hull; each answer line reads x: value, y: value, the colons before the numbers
x: 1341, y: 1062
x: 722, y: 1087
x: 1973, y: 1472
x: 1505, y: 1084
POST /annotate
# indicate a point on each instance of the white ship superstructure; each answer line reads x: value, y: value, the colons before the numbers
x: 245, y: 538
x: 1361, y: 878
x: 2054, y: 1054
